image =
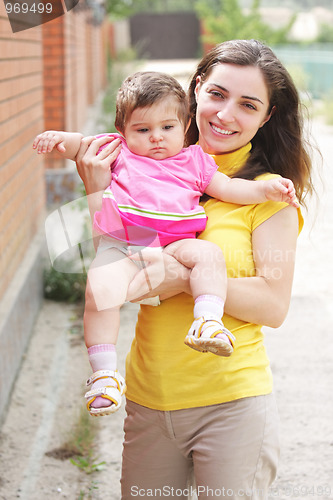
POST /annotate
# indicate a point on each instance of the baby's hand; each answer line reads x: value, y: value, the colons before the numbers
x: 45, y: 142
x: 281, y: 189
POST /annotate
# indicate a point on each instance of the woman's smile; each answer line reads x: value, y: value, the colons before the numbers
x: 222, y: 131
x: 232, y: 105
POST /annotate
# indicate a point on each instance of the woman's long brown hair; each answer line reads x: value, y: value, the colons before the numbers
x: 279, y: 146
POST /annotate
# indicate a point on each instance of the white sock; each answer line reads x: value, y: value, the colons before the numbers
x: 102, y: 357
x: 210, y: 306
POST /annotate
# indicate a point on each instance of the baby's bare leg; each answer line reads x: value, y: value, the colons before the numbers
x: 107, y: 284
x: 208, y: 275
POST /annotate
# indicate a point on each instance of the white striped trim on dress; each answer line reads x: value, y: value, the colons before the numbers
x: 154, y: 214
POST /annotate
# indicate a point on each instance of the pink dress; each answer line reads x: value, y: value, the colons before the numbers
x: 155, y: 202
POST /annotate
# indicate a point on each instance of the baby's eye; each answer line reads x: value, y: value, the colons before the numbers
x: 168, y: 127
x: 142, y: 130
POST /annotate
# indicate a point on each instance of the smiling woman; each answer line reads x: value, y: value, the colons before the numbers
x: 153, y: 200
x: 192, y: 412
x: 233, y: 103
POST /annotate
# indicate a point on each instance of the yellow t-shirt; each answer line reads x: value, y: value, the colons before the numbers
x: 162, y: 373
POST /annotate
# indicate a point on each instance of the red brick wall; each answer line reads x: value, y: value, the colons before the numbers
x: 75, y: 72
x: 76, y: 62
x: 96, y: 50
x: 54, y: 80
x: 49, y: 75
x: 43, y: 72
x: 54, y: 73
x: 22, y: 192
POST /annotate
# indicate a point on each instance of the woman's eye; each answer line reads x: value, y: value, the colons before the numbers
x: 249, y: 106
x: 216, y: 93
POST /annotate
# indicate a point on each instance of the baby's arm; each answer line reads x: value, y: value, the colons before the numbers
x: 245, y: 192
x: 66, y: 143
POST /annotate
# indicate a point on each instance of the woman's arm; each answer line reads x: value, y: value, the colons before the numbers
x: 176, y: 277
x: 265, y: 298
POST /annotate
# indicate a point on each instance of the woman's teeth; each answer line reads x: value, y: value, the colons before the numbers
x: 222, y: 131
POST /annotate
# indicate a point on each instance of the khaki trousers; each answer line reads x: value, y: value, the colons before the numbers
x: 228, y: 450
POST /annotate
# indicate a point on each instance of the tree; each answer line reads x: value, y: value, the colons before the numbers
x: 325, y: 34
x: 225, y: 20
x: 119, y: 8
x: 126, y: 8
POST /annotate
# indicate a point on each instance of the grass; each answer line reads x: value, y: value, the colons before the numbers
x: 84, y: 433
x: 83, y: 439
x: 89, y: 493
x: 79, y: 446
x: 79, y: 449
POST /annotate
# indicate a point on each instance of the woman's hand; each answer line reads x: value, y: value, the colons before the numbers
x: 93, y: 166
x: 163, y: 276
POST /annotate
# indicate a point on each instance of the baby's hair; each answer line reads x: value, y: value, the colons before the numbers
x: 145, y: 88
